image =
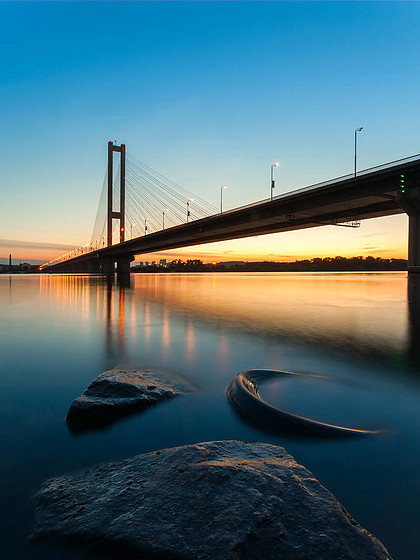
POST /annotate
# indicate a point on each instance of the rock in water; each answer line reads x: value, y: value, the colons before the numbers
x: 118, y: 392
x: 216, y: 500
x: 243, y: 392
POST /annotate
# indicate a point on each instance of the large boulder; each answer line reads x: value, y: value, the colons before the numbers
x: 216, y: 500
x: 119, y: 392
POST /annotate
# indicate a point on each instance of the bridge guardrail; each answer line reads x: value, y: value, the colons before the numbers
x: 329, y: 182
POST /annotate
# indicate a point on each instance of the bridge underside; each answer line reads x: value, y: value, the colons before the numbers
x: 370, y: 195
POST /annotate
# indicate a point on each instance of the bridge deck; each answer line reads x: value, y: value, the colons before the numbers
x: 373, y: 193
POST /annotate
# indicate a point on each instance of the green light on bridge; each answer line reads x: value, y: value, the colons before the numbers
x: 402, y: 185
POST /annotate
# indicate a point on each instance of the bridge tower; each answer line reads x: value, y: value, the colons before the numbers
x: 120, y: 214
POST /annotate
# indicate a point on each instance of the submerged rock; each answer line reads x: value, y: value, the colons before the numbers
x: 118, y: 392
x: 215, y: 501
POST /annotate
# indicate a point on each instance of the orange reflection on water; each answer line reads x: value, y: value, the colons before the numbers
x: 146, y: 324
x: 121, y: 317
x: 353, y: 310
x: 366, y: 310
x: 133, y: 322
x: 90, y: 295
x: 190, y: 341
x: 70, y: 291
x: 166, y: 339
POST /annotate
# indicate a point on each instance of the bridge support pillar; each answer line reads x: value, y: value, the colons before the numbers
x: 414, y: 243
x: 93, y: 266
x: 107, y: 266
x: 123, y: 266
x: 410, y: 203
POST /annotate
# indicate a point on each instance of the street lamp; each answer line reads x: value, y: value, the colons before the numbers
x: 222, y: 188
x: 163, y: 217
x: 356, y: 130
x: 145, y: 224
x: 131, y: 230
x: 272, y: 185
x: 188, y: 207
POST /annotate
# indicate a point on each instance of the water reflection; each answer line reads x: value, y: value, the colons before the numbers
x: 93, y: 299
x: 166, y: 339
x: 364, y: 314
x: 147, y: 329
x: 119, y: 310
x: 223, y: 348
x: 190, y: 341
x: 115, y: 320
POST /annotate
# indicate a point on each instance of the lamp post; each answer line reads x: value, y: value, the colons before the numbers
x: 188, y: 207
x: 356, y: 130
x: 145, y: 224
x: 131, y: 230
x: 272, y: 183
x: 222, y: 188
x: 163, y: 217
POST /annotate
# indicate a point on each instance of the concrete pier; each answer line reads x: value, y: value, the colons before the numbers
x: 414, y: 243
x: 123, y: 268
x: 410, y: 203
x: 107, y: 266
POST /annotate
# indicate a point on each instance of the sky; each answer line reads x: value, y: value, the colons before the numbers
x: 206, y: 93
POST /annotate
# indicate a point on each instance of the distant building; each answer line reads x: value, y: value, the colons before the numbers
x: 19, y: 268
x: 162, y: 263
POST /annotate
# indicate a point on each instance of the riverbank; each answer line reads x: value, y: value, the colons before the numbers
x: 326, y: 264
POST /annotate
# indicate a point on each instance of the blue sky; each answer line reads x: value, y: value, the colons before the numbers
x: 206, y: 93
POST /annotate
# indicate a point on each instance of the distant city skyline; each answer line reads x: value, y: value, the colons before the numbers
x: 208, y: 94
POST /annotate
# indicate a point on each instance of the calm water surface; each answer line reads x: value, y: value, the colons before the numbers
x: 361, y: 330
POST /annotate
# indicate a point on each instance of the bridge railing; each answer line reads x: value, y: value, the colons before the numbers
x: 330, y: 182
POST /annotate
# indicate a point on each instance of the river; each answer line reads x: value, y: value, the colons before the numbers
x: 58, y: 332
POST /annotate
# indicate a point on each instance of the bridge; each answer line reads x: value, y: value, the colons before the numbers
x: 388, y: 189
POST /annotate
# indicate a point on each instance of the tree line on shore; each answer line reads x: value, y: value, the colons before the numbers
x: 326, y: 264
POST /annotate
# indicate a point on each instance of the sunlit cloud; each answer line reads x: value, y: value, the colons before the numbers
x: 32, y: 251
x: 14, y: 243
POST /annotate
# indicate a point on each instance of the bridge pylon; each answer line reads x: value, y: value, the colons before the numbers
x: 120, y: 214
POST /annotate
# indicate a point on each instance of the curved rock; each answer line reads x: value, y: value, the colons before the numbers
x: 226, y: 500
x: 244, y: 394
x: 118, y: 392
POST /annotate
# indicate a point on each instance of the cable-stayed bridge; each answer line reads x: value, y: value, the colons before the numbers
x: 141, y: 211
